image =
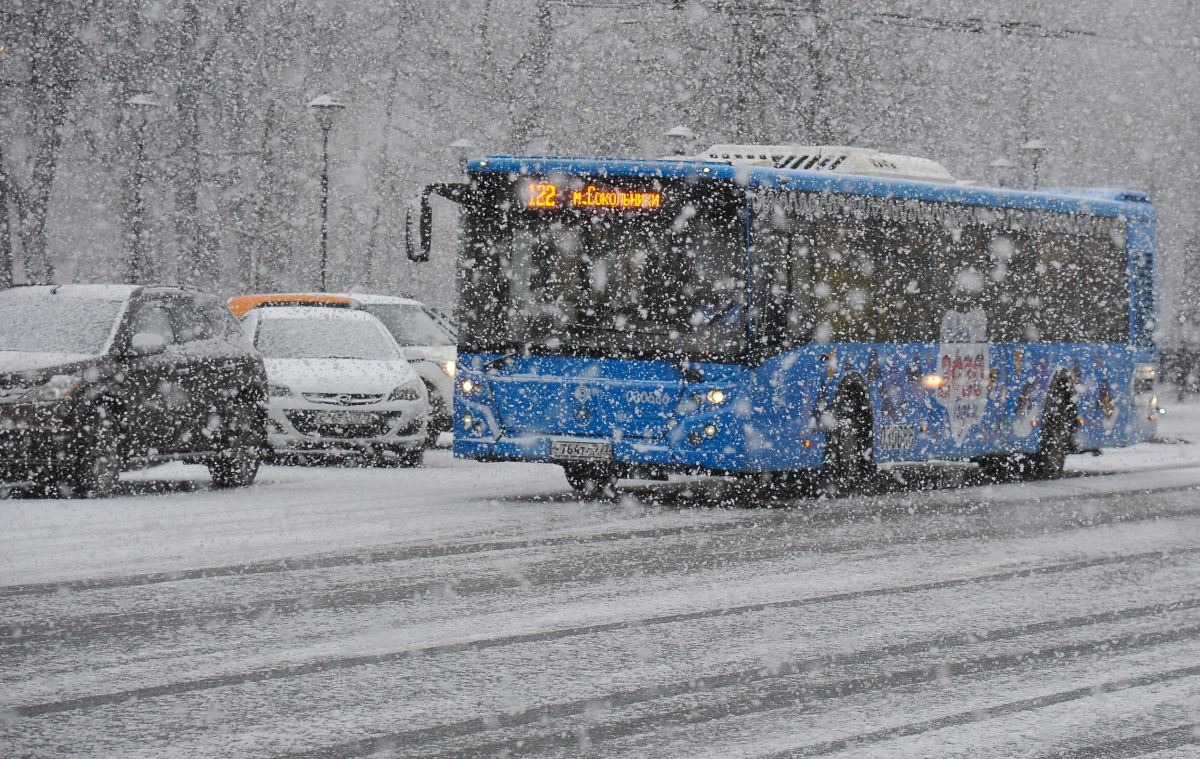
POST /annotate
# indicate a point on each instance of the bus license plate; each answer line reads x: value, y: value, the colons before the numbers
x: 898, y: 437
x: 580, y: 450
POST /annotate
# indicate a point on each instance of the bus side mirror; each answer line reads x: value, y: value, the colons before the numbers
x: 409, y: 248
x: 420, y: 253
x: 426, y: 228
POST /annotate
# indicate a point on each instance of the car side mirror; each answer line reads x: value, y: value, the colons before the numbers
x: 147, y: 344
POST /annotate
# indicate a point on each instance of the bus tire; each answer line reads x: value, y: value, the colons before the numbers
x: 591, y: 481
x: 849, y: 456
x: 1003, y: 468
x: 1058, y: 427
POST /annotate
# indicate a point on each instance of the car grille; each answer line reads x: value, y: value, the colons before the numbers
x: 364, y: 424
x: 344, y: 399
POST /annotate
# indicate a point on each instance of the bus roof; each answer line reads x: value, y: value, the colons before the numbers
x: 1132, y: 204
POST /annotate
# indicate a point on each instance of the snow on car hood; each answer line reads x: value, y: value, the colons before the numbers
x: 28, y: 361
x: 338, y: 375
x: 430, y: 352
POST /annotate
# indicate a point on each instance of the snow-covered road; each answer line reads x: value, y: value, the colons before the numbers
x: 477, y: 610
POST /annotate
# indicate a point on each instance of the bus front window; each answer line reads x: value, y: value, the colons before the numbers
x: 666, y: 282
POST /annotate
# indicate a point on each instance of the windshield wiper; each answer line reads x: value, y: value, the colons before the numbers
x: 507, y: 358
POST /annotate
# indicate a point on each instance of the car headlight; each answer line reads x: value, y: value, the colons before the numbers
x: 55, y: 389
x: 409, y: 391
x: 449, y: 368
x: 278, y: 391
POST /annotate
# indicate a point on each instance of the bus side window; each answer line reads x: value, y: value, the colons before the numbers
x: 1083, y: 291
x: 843, y: 280
x: 917, y: 291
x: 782, y: 281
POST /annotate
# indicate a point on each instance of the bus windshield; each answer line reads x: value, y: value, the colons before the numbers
x: 639, y: 268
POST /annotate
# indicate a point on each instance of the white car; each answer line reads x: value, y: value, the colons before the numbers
x: 337, y: 382
x: 428, y: 341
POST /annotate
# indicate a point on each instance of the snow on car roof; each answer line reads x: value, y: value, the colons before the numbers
x: 308, y: 312
x: 372, y: 299
x: 90, y: 292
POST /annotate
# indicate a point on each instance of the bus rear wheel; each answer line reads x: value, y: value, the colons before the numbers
x: 591, y: 481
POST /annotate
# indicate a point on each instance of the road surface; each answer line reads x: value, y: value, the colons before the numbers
x: 468, y: 609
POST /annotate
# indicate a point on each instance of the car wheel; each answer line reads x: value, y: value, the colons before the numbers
x: 591, y: 481
x: 236, y: 465
x: 410, y: 459
x: 95, y: 471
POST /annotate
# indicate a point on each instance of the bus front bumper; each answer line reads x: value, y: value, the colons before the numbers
x: 632, y: 455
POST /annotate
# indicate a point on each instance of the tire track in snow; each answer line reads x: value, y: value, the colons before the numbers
x: 776, y: 691
x: 350, y: 662
x: 831, y: 515
x: 1137, y: 745
x: 1024, y: 705
x: 84, y: 629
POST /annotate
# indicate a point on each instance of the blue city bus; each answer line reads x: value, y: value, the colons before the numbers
x: 781, y: 310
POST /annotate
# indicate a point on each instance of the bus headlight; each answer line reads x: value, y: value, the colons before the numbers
x: 717, y: 396
x: 933, y: 381
x: 469, y: 386
x: 449, y: 368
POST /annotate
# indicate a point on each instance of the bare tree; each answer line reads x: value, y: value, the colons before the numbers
x: 51, y: 52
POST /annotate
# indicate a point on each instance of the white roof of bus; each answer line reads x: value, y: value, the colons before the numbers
x: 833, y: 158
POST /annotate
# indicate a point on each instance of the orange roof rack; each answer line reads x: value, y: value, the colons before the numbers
x: 240, y: 305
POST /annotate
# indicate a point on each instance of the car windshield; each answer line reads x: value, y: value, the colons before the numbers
x: 411, y: 324
x: 39, y: 322
x: 325, y: 338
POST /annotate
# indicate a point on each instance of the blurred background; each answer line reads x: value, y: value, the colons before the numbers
x: 185, y: 141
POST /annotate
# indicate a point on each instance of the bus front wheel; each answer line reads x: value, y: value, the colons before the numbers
x: 591, y: 481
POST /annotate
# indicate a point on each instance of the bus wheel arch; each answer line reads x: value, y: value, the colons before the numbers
x: 591, y: 481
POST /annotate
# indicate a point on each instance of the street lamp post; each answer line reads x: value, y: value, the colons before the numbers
x: 1036, y: 149
x: 325, y: 107
x: 462, y: 149
x: 680, y: 140
x: 1002, y: 168
x: 143, y: 103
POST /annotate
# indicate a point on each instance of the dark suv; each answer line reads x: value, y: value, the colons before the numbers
x: 96, y: 379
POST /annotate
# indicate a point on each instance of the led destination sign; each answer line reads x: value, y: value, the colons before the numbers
x: 549, y: 195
